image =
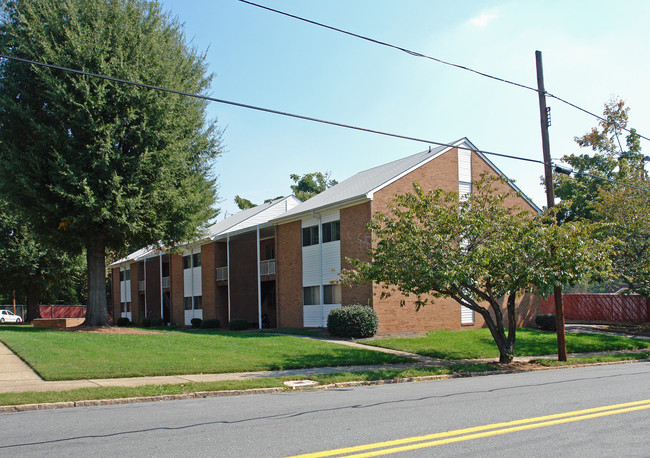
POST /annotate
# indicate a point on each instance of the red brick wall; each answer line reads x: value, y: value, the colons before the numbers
x: 177, y: 289
x: 441, y: 172
x: 221, y: 292
x: 153, y: 287
x: 479, y: 166
x: 136, y: 275
x: 209, y: 280
x: 355, y: 244
x: 243, y: 277
x: 288, y: 265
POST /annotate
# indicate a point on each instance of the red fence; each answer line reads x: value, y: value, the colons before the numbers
x: 602, y: 307
x: 63, y: 311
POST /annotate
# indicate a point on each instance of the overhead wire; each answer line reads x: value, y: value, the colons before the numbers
x: 287, y: 114
x: 441, y: 61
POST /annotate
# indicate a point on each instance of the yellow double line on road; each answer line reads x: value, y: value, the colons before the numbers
x: 477, y: 432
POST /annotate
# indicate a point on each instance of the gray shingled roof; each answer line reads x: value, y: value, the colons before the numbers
x: 361, y: 184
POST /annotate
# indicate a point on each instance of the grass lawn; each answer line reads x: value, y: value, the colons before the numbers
x: 116, y: 392
x: 478, y: 343
x: 59, y: 355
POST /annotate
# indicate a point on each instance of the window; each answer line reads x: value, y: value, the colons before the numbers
x: 197, y: 300
x: 310, y: 235
x: 187, y: 262
x: 331, y: 231
x: 125, y: 307
x: 332, y: 294
x: 311, y: 295
x: 121, y: 275
x: 196, y: 260
x: 127, y: 274
x: 270, y: 251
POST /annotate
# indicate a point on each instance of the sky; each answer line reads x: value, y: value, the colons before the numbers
x: 592, y: 51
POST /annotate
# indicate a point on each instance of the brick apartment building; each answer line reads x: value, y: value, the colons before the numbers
x: 276, y: 264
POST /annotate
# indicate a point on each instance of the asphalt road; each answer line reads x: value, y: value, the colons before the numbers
x: 458, y: 417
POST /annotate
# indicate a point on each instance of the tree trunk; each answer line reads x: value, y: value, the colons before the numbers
x: 33, y: 307
x: 96, y: 313
x: 505, y: 346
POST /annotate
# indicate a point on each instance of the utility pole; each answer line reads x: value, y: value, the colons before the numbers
x: 550, y: 199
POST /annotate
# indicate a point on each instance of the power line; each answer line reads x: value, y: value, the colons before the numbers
x: 265, y: 110
x: 435, y: 59
x: 293, y: 115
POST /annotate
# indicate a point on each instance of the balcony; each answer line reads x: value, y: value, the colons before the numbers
x: 267, y: 267
x: 166, y: 283
x: 141, y: 285
x: 222, y: 273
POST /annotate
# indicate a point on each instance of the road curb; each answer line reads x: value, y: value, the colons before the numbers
x: 212, y: 394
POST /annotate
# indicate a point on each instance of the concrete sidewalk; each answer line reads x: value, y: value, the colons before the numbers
x: 16, y: 376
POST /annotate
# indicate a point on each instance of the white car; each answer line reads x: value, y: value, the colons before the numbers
x: 7, y: 317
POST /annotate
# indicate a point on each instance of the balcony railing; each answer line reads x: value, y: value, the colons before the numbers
x: 166, y: 283
x: 141, y: 286
x: 222, y: 273
x: 267, y: 267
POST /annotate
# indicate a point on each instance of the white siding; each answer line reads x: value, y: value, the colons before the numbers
x: 466, y: 315
x: 320, y: 265
x: 315, y: 316
x: 331, y: 261
x: 189, y: 314
x: 187, y: 282
x: 464, y: 165
x: 310, y: 265
x: 197, y: 282
x: 464, y: 190
x: 192, y: 277
x: 125, y: 288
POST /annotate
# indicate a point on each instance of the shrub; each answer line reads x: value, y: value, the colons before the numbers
x: 123, y: 321
x: 356, y: 321
x: 146, y: 323
x: 156, y: 322
x: 546, y: 322
x: 239, y: 324
x: 211, y: 323
x: 196, y: 323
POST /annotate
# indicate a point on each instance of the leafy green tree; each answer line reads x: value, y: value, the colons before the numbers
x: 626, y: 212
x: 243, y: 203
x: 33, y: 271
x: 610, y: 159
x: 311, y: 184
x: 305, y: 187
x: 481, y: 252
x: 95, y: 164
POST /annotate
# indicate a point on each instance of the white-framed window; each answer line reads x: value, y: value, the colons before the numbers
x: 332, y: 294
x: 193, y: 303
x: 310, y: 236
x: 331, y: 231
x: 311, y: 295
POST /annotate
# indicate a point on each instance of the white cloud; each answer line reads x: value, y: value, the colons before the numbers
x: 483, y: 20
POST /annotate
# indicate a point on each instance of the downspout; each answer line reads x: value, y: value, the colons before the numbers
x: 320, y: 264
x: 161, y: 288
x: 145, y: 286
x: 259, y: 282
x: 228, y: 268
x: 122, y: 292
x: 192, y: 280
